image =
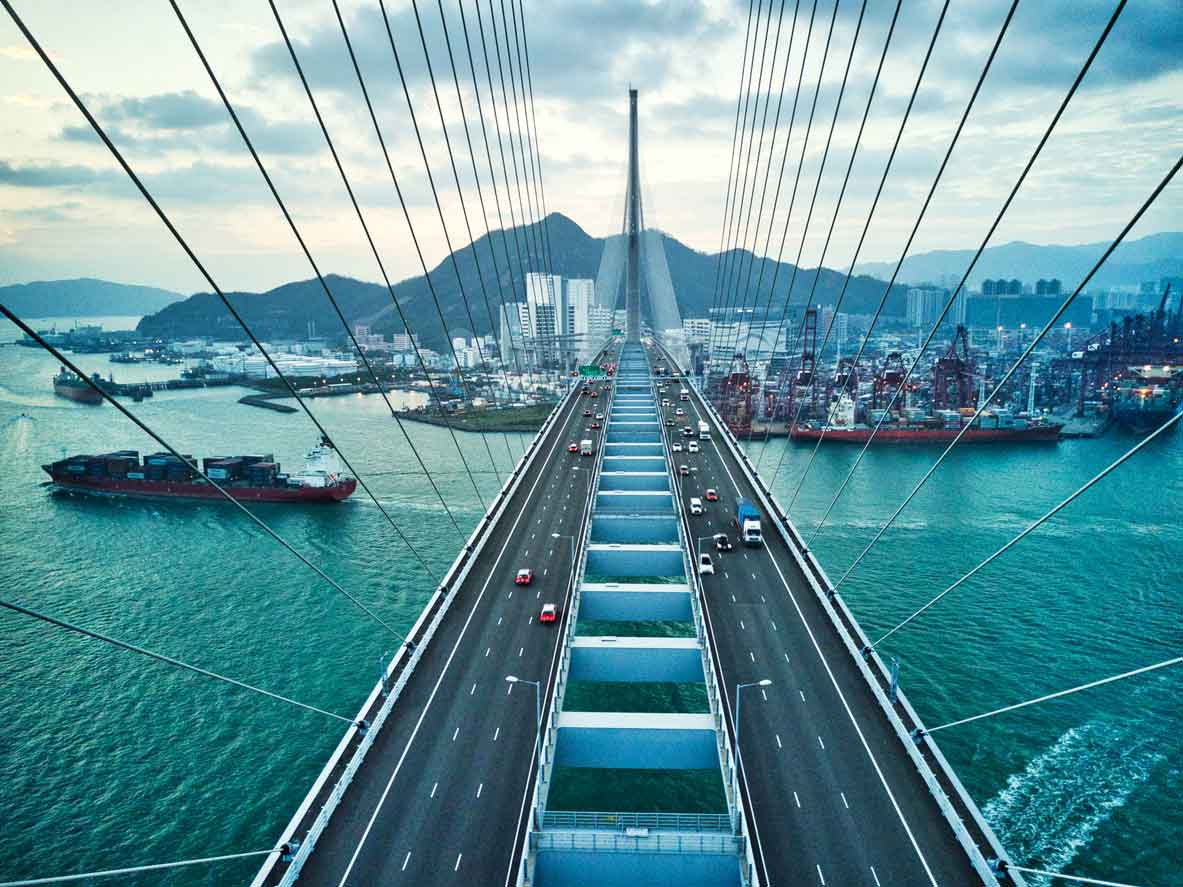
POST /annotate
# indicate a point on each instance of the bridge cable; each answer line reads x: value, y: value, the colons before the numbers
x: 771, y: 154
x: 84, y: 876
x: 924, y: 208
x: 459, y: 193
x: 373, y: 246
x: 746, y: 136
x: 101, y: 133
x: 531, y: 115
x: 997, y: 388
x: 801, y: 161
x: 1128, y: 454
x: 919, y: 733
x: 311, y: 261
x: 735, y: 266
x: 139, y: 423
x: 526, y: 146
x: 994, y: 225
x: 739, y: 94
x: 463, y: 383
x: 524, y: 203
x: 517, y: 236
x: 161, y: 657
x: 837, y: 209
x: 476, y: 175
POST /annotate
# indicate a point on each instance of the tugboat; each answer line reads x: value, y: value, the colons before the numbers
x: 1147, y: 397
x: 73, y: 387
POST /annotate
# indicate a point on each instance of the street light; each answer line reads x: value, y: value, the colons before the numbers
x: 764, y: 683
x: 698, y: 544
x: 514, y: 679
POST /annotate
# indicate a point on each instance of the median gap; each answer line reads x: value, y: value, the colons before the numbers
x: 655, y: 629
x: 637, y: 791
x: 657, y: 697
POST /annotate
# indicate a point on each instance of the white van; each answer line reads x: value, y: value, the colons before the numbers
x: 696, y: 505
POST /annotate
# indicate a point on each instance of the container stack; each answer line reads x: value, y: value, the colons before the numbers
x: 261, y: 474
x: 223, y: 469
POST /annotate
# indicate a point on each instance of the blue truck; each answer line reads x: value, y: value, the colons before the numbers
x: 747, y: 522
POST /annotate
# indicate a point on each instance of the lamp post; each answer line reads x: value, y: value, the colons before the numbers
x: 570, y: 538
x: 514, y: 679
x: 1068, y: 330
x: 698, y: 544
x: 764, y: 683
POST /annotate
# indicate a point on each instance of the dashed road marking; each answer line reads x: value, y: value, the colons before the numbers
x: 479, y: 789
x: 875, y: 876
x: 820, y: 875
x: 496, y: 733
x: 779, y: 744
x: 433, y: 788
x: 455, y: 733
x: 753, y: 655
x: 520, y: 651
x: 822, y: 744
x: 473, y: 690
x: 845, y: 803
x: 797, y: 799
x: 456, y: 867
x: 406, y: 859
x: 802, y: 692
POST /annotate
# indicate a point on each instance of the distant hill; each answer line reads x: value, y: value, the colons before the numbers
x: 84, y: 296
x: 286, y: 311
x: 1148, y: 258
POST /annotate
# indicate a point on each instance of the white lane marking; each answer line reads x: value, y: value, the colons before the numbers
x: 538, y: 596
x: 509, y: 595
x: 875, y: 876
x: 479, y: 789
x: 753, y: 655
x: 433, y: 788
x: 520, y: 651
x: 753, y: 575
x: 764, y: 693
x: 733, y: 600
x: 845, y: 705
x: 406, y: 859
x: 472, y: 692
x: 778, y: 742
x: 774, y: 628
x: 456, y: 867
x: 487, y: 651
x: 802, y: 692
x: 547, y: 570
x: 496, y: 733
x: 845, y: 803
x: 820, y: 875
x: 797, y: 799
x: 455, y: 733
x: 423, y: 715
x: 763, y: 599
x: 741, y: 625
x: 509, y: 689
x: 822, y: 744
x: 530, y: 621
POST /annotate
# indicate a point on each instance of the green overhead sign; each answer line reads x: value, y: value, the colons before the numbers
x: 591, y: 371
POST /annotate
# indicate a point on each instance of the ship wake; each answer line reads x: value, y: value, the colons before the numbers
x: 1047, y: 814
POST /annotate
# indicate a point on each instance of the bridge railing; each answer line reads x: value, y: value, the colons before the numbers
x: 655, y: 843
x: 350, y: 753
x: 667, y: 822
x: 955, y: 803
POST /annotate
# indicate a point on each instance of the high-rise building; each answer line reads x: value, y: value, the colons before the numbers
x: 925, y: 304
x: 696, y: 329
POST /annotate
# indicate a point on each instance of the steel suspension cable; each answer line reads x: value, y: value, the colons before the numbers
x: 1095, y: 479
x: 1060, y: 876
x: 800, y: 164
x: 530, y: 162
x: 923, y: 210
x: 817, y: 185
x: 994, y: 225
x: 476, y: 175
x: 110, y: 873
x: 768, y: 169
x: 439, y: 207
x: 532, y: 115
x: 739, y: 94
x: 161, y: 657
x: 311, y: 261
x: 738, y: 244
x: 374, y: 247
x: 518, y: 236
x: 1166, y: 663
x: 463, y: 383
x: 143, y: 426
x: 859, y: 246
x: 1006, y: 378
x: 524, y: 203
x: 200, y: 266
x: 746, y: 136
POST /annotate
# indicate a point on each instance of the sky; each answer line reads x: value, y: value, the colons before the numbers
x: 68, y: 210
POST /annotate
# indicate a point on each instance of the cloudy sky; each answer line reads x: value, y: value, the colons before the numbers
x: 67, y: 210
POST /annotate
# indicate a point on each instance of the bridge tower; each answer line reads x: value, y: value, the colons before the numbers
x: 632, y: 292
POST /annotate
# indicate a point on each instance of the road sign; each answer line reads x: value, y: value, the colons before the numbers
x: 591, y: 371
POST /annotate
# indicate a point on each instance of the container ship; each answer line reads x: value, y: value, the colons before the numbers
x: 164, y: 476
x: 1147, y: 397
x: 913, y: 426
x: 73, y: 387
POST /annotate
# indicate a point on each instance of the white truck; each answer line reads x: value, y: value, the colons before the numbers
x: 704, y: 430
x: 586, y: 448
x: 684, y: 395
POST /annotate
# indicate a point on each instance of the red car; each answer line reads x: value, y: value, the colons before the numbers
x: 524, y: 577
x: 711, y: 496
x: 572, y: 448
x: 595, y: 394
x: 549, y: 613
x: 595, y: 426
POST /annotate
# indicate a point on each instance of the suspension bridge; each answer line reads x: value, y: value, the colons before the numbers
x: 828, y: 774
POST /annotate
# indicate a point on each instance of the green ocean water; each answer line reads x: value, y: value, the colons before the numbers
x: 107, y: 759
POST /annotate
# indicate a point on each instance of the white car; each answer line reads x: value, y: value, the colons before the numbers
x: 706, y: 566
x: 692, y: 447
x: 677, y: 446
x: 679, y: 412
x: 695, y: 505
x: 666, y: 403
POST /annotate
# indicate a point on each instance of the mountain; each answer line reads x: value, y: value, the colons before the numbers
x: 1135, y: 261
x: 85, y: 297
x: 287, y: 310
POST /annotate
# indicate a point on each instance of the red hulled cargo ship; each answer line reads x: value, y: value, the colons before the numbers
x: 72, y: 387
x: 164, y: 476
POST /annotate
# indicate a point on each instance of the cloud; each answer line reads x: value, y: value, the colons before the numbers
x: 47, y: 175
x: 169, y: 110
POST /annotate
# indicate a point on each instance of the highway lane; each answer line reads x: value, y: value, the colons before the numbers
x: 834, y: 797
x: 445, y: 785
